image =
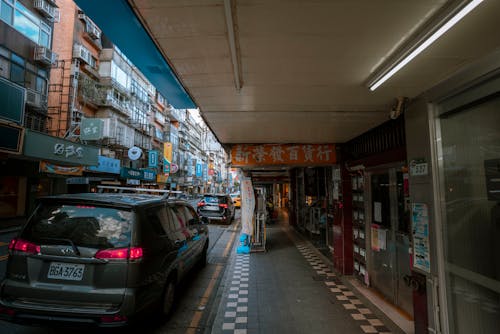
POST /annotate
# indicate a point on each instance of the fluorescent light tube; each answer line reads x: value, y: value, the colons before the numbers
x: 431, y: 39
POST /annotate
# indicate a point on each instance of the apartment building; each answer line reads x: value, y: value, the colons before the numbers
x: 28, y: 144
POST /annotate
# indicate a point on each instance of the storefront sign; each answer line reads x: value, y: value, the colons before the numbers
x: 77, y: 180
x: 91, y: 129
x: 153, y: 159
x: 199, y: 172
x: 13, y: 100
x: 106, y: 165
x: 205, y: 172
x: 39, y: 145
x: 167, y: 157
x: 11, y: 138
x: 420, y: 231
x: 138, y: 174
x: 286, y: 154
x: 47, y: 167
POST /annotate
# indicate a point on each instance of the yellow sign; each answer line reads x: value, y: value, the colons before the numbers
x: 167, y: 157
x: 286, y: 154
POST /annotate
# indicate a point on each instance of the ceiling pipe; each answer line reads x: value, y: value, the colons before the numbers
x: 234, y: 47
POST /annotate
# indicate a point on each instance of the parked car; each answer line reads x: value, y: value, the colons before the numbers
x: 218, y: 207
x: 236, y: 200
x: 101, y: 259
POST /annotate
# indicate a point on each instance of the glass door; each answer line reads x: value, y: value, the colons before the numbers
x: 389, y: 241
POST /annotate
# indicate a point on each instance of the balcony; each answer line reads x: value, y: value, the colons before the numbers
x: 115, y: 104
x: 110, y: 82
x: 45, y: 56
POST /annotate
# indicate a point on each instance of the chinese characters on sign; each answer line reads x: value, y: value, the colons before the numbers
x: 68, y: 150
x: 286, y: 154
x: 91, y: 129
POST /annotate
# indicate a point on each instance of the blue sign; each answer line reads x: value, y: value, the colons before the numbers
x: 205, y: 172
x: 153, y: 159
x: 198, y: 170
x: 106, y: 165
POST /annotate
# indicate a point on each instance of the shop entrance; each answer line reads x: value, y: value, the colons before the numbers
x: 389, y: 232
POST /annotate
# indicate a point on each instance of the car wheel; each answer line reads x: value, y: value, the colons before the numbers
x: 168, y: 298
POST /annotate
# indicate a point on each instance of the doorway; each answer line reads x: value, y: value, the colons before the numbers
x: 389, y: 231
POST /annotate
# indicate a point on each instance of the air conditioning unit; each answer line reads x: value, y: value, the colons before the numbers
x: 80, y: 52
x: 46, y: 8
x: 33, y: 98
x: 93, y: 31
x: 109, y: 127
x: 45, y: 55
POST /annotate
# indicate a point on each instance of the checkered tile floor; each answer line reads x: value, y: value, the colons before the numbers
x: 368, y: 322
x: 235, y: 316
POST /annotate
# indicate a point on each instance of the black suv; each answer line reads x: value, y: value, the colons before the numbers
x: 101, y: 259
x: 217, y: 207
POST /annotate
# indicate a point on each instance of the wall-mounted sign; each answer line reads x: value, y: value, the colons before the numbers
x: 47, y: 167
x: 106, y: 165
x: 39, y: 145
x: 286, y: 154
x: 419, y: 167
x: 420, y: 232
x: 138, y: 174
x: 134, y: 153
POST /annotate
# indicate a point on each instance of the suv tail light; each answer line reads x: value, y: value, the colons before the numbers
x: 223, y: 206
x: 202, y: 203
x: 134, y: 253
x: 24, y: 246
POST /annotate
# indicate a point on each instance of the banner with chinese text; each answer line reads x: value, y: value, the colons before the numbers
x: 47, y: 167
x: 283, y: 154
x: 167, y: 157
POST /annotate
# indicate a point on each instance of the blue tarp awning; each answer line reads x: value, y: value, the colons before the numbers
x: 120, y: 24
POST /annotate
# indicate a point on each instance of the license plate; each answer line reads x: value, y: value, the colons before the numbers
x: 213, y: 208
x: 66, y: 271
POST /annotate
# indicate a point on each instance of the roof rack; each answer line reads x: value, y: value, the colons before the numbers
x: 166, y: 193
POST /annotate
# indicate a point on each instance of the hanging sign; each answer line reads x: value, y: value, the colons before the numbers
x: 167, y: 157
x: 153, y: 158
x: 174, y: 168
x: 134, y: 153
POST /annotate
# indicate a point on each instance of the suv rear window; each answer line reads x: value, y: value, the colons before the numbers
x: 212, y: 199
x: 84, y: 225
